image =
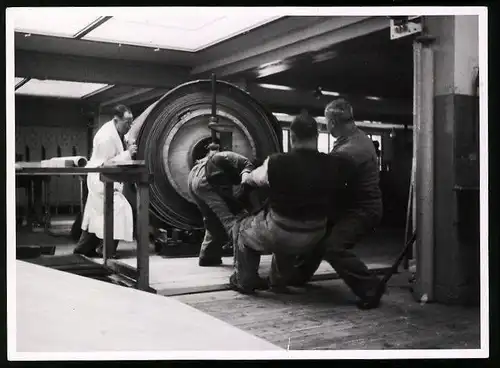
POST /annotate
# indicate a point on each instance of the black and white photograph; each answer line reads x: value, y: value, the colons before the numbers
x: 247, y: 183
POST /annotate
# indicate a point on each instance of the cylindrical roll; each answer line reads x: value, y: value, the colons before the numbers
x: 78, y: 161
x: 173, y: 132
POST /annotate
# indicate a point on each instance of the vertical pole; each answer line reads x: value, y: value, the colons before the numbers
x: 213, y: 118
x: 46, y: 192
x: 424, y: 178
x: 417, y: 87
x: 108, y: 219
x: 143, y: 236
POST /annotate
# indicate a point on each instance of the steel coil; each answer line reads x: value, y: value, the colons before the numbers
x: 171, y: 134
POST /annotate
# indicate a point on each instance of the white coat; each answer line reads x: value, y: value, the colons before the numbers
x: 107, y: 148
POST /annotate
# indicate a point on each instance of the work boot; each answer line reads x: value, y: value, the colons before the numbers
x: 260, y: 284
x: 371, y: 300
x: 113, y: 254
x: 279, y: 289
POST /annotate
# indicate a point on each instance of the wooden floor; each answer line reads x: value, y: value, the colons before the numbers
x: 323, y: 316
x: 177, y: 276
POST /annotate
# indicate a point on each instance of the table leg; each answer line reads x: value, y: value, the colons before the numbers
x: 108, y: 220
x: 30, y: 206
x: 80, y: 179
x: 46, y: 192
x: 143, y: 236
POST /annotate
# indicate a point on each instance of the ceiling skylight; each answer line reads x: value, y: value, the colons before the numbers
x: 62, y: 89
x: 62, y: 22
x: 187, y: 32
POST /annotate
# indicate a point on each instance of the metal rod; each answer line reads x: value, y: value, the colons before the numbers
x: 424, y: 179
x: 213, y: 119
x: 417, y: 86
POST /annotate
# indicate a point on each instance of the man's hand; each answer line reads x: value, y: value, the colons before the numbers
x: 244, y: 178
x: 132, y: 148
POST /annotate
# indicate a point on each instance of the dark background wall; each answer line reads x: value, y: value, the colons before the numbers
x: 50, y: 127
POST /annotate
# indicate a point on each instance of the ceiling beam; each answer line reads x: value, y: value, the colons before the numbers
x: 38, y: 65
x: 92, y: 26
x: 123, y: 99
x: 325, y: 34
x: 397, y: 110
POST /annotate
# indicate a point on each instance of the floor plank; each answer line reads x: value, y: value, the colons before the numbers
x: 324, y: 317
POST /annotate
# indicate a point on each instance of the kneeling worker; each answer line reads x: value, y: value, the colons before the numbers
x: 210, y: 185
x: 301, y: 184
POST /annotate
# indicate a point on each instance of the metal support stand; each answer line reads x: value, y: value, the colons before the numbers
x: 224, y: 129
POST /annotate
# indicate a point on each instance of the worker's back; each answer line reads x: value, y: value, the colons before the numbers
x: 303, y: 182
x: 363, y: 191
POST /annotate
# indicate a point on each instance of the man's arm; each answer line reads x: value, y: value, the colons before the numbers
x: 104, y: 150
x: 232, y: 161
x: 258, y: 177
x: 243, y: 164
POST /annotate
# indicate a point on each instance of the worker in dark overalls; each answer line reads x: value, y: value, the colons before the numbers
x: 357, y: 216
x: 301, y: 186
x: 210, y: 185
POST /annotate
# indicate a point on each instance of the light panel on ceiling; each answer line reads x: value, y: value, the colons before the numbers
x: 185, y: 33
x: 62, y: 89
x: 17, y: 80
x: 61, y: 22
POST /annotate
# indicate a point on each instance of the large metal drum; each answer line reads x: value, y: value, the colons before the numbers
x: 173, y: 132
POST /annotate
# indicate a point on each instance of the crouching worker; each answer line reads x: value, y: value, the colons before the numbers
x: 355, y: 218
x: 210, y: 185
x: 300, y: 184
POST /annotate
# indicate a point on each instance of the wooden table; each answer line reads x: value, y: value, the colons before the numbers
x: 130, y: 172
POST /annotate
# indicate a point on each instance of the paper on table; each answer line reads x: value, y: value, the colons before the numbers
x: 68, y: 161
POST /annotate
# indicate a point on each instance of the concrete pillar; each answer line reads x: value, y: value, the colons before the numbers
x: 455, y: 276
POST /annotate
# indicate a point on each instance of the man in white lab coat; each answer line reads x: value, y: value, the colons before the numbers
x: 108, y: 147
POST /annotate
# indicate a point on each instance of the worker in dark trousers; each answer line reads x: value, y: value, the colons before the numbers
x: 210, y: 185
x: 301, y: 186
x: 360, y: 213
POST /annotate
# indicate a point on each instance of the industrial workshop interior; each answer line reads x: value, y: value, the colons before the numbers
x: 125, y: 242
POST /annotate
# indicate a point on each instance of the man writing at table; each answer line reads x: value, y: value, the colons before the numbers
x: 108, y: 148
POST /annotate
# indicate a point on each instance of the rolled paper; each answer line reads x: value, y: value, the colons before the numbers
x: 78, y: 161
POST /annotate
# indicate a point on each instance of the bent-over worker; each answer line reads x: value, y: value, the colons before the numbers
x: 301, y: 184
x: 359, y: 213
x: 108, y: 148
x: 210, y: 185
